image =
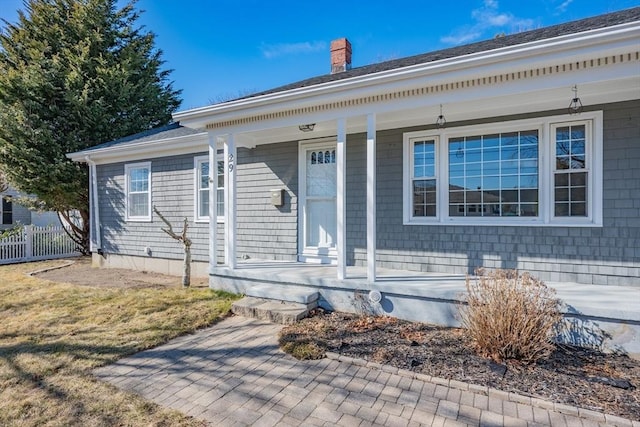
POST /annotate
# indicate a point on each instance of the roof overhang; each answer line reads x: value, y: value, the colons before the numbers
x: 539, y: 70
x: 144, y: 150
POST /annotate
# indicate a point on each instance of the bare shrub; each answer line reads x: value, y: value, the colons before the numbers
x: 510, y: 316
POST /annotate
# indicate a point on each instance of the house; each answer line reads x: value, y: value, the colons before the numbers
x: 13, y: 214
x: 404, y: 176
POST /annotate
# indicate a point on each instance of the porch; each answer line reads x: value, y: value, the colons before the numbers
x: 606, y: 317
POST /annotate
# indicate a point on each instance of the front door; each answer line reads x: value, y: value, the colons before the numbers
x: 318, y: 185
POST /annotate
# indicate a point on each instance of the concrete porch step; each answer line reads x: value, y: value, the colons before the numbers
x: 288, y: 293
x: 272, y: 310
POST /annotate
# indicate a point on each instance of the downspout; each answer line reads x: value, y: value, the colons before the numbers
x: 94, y: 208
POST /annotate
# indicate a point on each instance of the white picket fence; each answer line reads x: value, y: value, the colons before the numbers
x: 36, y: 243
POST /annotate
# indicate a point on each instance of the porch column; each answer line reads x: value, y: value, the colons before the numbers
x: 371, y: 198
x: 213, y: 206
x: 230, y: 201
x: 341, y: 199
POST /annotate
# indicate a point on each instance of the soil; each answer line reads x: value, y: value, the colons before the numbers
x: 80, y: 272
x: 581, y: 377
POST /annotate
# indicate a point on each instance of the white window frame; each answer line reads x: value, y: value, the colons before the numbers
x: 546, y: 156
x: 408, y: 140
x: 590, y: 166
x: 127, y: 174
x: 197, y: 162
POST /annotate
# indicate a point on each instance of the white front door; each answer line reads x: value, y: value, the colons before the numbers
x: 318, y: 215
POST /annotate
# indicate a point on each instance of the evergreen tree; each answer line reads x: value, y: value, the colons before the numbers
x: 74, y: 74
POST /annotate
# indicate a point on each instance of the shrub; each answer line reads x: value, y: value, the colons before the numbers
x: 510, y: 316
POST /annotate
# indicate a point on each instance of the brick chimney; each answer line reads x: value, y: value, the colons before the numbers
x: 340, y: 55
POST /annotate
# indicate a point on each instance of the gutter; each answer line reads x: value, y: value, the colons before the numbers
x: 154, y: 148
x: 94, y: 208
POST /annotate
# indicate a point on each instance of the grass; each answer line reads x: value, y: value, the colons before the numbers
x: 52, y: 335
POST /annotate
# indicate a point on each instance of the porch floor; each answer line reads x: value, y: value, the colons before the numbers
x: 323, y: 276
x: 601, y: 301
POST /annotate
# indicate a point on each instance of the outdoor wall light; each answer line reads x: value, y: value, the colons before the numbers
x: 307, y: 128
x: 441, y: 121
x: 575, y: 107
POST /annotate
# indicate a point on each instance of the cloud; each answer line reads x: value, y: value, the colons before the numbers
x: 562, y: 7
x: 486, y: 18
x: 461, y: 37
x: 270, y: 51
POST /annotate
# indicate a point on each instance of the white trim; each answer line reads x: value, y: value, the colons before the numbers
x: 546, y: 155
x: 213, y: 226
x: 127, y: 168
x: 230, y: 211
x: 213, y: 185
x: 593, y: 169
x: 188, y: 144
x: 613, y: 40
x: 341, y: 198
x: 197, y: 168
x: 407, y: 168
x: 371, y: 198
x: 311, y: 254
x: 95, y: 238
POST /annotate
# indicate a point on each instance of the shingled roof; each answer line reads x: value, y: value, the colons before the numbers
x: 172, y: 130
x: 593, y: 23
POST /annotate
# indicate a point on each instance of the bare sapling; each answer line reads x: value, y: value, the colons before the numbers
x: 186, y: 243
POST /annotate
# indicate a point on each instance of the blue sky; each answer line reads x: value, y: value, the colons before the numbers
x: 222, y: 49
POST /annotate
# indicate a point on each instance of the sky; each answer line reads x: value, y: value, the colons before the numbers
x: 223, y: 49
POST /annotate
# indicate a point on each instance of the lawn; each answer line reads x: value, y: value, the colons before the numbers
x: 52, y: 335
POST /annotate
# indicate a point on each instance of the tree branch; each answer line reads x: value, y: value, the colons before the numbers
x: 186, y: 242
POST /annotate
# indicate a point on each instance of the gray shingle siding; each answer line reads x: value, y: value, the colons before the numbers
x: 172, y: 186
x: 599, y: 255
x: 266, y: 231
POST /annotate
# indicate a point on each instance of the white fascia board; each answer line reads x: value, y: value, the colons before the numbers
x: 145, y: 150
x: 625, y: 74
x: 573, y: 47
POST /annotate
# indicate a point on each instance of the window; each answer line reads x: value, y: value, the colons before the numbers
x: 525, y: 172
x: 494, y: 175
x: 138, y: 189
x: 322, y: 157
x: 7, y: 212
x: 202, y: 189
x: 423, y: 177
x: 570, y: 174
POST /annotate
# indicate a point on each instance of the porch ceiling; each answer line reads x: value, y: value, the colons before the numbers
x: 458, y: 106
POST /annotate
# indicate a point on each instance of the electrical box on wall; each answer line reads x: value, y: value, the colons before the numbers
x: 277, y: 197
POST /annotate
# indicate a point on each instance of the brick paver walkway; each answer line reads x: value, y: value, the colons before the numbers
x: 233, y: 374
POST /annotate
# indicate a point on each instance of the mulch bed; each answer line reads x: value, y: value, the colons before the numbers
x: 575, y: 376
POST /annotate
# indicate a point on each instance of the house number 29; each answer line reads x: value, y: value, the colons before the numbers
x: 230, y: 162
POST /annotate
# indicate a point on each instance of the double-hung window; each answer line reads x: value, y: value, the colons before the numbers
x: 203, y: 181
x: 544, y: 171
x: 422, y: 177
x: 571, y: 169
x: 138, y: 191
